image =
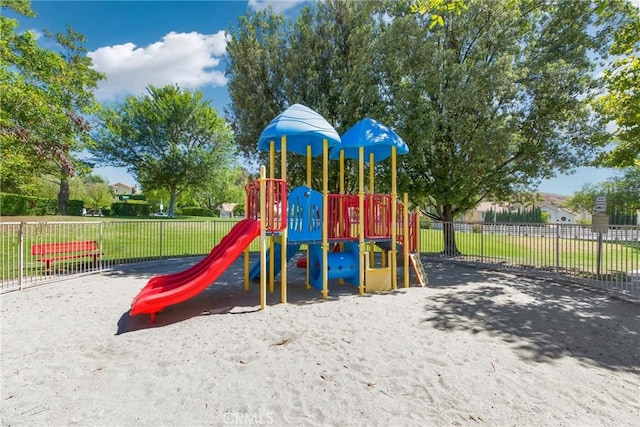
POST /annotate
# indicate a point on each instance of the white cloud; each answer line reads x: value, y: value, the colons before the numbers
x: 186, y: 59
x: 36, y: 33
x: 277, y: 5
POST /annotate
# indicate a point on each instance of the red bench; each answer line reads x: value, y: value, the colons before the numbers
x: 52, y: 252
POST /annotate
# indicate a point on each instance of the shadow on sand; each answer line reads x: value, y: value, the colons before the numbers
x: 225, y: 296
x: 550, y: 320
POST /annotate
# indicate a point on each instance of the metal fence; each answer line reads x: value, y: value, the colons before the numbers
x: 118, y: 242
x: 610, y: 261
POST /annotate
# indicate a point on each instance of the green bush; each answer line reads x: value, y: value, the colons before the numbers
x: 131, y: 208
x: 15, y: 204
x: 12, y: 204
x: 196, y: 211
x: 74, y: 207
x: 238, y: 211
x: 44, y: 207
x: 425, y: 223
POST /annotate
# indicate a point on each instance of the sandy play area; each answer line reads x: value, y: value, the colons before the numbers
x: 474, y: 348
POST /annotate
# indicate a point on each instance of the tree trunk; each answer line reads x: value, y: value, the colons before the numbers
x: 448, y: 232
x: 63, y: 193
x: 172, y: 202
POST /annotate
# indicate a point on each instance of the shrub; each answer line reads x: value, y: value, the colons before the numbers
x: 131, y: 208
x: 425, y: 223
x: 15, y: 204
x: 12, y: 204
x: 238, y: 210
x: 44, y: 207
x: 74, y: 207
x: 476, y: 228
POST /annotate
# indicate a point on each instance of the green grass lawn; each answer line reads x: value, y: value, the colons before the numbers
x: 572, y: 254
x: 133, y: 240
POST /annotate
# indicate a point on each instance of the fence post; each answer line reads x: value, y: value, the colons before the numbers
x: 557, y: 248
x: 160, y: 248
x: 482, y: 243
x: 101, y: 247
x: 20, y: 255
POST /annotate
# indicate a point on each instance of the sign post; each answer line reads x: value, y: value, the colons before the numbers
x: 600, y: 225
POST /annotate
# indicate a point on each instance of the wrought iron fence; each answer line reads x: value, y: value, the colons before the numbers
x: 610, y: 261
x: 118, y: 242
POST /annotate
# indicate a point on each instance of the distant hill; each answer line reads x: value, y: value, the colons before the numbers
x: 552, y: 199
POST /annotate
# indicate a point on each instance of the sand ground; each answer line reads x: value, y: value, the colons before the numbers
x: 474, y: 348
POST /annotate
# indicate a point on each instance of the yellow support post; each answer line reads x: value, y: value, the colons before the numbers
x: 263, y: 240
x: 372, y: 246
x: 361, y: 245
x: 341, y: 213
x: 325, y: 214
x: 283, y: 209
x: 246, y: 252
x: 394, y: 228
x: 371, y: 174
x: 309, y: 166
x: 341, y: 171
x: 308, y: 284
x: 272, y: 175
x: 405, y: 239
x: 272, y: 260
x: 246, y: 269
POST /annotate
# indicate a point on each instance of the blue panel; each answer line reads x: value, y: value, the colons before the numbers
x: 304, y: 215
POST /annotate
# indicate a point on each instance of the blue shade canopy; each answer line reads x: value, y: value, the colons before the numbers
x: 303, y: 127
x: 375, y: 137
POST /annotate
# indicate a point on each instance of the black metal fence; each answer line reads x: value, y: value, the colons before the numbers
x: 610, y: 260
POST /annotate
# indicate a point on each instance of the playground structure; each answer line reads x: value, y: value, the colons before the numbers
x: 340, y: 232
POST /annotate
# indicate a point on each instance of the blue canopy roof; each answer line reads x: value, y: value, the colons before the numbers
x: 375, y: 137
x: 303, y: 127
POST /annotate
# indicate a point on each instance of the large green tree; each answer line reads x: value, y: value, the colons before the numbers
x: 621, y: 102
x: 490, y: 100
x: 169, y: 139
x: 495, y: 100
x: 318, y: 61
x: 46, y: 96
x: 226, y: 187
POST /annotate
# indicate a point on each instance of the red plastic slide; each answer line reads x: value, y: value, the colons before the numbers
x: 165, y: 290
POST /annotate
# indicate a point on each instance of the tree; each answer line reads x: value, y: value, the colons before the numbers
x: 490, y: 102
x: 168, y: 139
x: 621, y: 102
x: 318, y: 61
x: 622, y: 192
x: 45, y: 96
x: 226, y: 187
x: 436, y: 8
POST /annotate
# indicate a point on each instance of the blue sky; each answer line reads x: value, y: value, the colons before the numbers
x: 137, y: 43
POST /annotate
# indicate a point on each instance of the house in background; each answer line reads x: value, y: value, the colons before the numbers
x: 226, y: 210
x: 558, y: 215
x: 550, y: 205
x: 478, y: 214
x: 120, y: 188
